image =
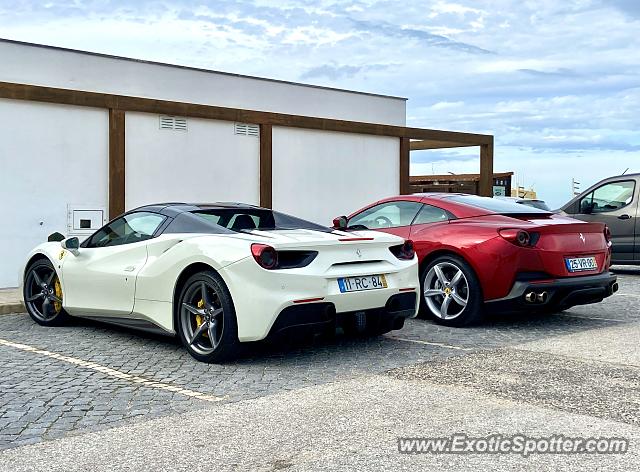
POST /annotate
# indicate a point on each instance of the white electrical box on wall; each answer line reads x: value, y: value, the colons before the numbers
x: 84, y: 220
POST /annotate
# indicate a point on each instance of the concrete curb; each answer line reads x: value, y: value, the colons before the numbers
x: 7, y: 308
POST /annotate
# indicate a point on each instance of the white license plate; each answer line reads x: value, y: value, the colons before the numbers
x: 578, y: 264
x: 357, y: 284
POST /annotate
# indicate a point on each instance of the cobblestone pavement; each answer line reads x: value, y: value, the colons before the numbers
x: 91, y: 377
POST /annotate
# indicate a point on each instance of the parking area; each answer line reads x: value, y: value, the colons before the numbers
x: 93, y: 396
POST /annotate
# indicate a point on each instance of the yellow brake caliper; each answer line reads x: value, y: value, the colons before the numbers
x: 58, y: 290
x: 200, y: 318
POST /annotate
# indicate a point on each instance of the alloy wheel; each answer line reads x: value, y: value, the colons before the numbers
x: 446, y: 290
x: 43, y: 294
x: 202, y: 317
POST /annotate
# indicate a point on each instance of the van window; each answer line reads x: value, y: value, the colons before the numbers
x: 609, y: 197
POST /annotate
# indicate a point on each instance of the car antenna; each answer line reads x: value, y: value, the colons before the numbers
x: 625, y: 171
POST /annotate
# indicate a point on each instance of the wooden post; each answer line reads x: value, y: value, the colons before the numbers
x: 116, y: 162
x: 486, y: 170
x: 405, y: 187
x: 266, y: 168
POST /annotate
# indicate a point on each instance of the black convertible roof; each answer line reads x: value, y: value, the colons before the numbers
x: 228, y: 217
x: 173, y: 209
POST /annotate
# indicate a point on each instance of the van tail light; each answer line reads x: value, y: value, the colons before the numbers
x: 519, y: 237
x: 405, y: 251
x: 265, y: 255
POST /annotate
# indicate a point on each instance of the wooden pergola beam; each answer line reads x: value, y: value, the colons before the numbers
x: 423, y: 144
x: 164, y: 107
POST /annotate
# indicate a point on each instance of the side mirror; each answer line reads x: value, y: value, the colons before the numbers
x: 340, y: 222
x: 586, y: 208
x: 70, y: 244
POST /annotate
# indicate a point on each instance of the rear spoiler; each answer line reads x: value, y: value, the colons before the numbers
x: 565, y: 228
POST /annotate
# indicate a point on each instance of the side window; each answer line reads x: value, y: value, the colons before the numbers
x: 387, y: 215
x: 609, y: 197
x: 431, y: 214
x: 128, y: 229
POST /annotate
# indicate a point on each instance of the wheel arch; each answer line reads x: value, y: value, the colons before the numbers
x: 187, y: 272
x: 33, y: 259
x: 449, y: 252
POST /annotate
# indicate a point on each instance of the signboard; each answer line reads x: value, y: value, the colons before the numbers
x: 499, y: 191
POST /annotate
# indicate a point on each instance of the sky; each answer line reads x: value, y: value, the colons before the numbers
x: 557, y: 82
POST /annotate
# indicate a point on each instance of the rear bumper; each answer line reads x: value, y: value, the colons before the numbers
x: 263, y: 298
x: 321, y: 316
x: 557, y: 294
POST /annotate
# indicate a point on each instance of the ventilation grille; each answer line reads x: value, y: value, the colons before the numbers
x: 245, y: 129
x: 173, y: 122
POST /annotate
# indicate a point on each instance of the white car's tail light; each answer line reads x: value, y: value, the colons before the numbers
x: 265, y: 255
x: 268, y: 258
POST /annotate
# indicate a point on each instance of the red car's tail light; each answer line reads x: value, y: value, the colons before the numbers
x: 265, y: 255
x: 519, y: 237
x: 607, y: 234
x: 405, y: 251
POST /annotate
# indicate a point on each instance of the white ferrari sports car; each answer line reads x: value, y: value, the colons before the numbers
x: 221, y: 274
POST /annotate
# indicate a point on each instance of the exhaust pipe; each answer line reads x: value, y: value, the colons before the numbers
x: 394, y: 305
x: 330, y: 312
x: 533, y: 297
x: 614, y: 287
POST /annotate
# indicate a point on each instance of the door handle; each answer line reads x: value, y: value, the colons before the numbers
x: 130, y: 268
x: 624, y: 217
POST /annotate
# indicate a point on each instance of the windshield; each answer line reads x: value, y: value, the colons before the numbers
x: 248, y: 219
x: 502, y: 207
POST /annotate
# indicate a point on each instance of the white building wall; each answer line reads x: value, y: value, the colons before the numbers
x: 37, y: 65
x: 319, y: 175
x: 50, y: 156
x: 205, y: 163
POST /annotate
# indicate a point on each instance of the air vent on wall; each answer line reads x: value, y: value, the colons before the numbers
x: 173, y: 122
x: 245, y: 129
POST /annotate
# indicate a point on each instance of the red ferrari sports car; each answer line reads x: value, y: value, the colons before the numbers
x: 478, y: 254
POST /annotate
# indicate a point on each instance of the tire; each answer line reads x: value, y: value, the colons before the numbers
x: 356, y: 324
x: 205, y: 313
x: 456, y: 283
x: 42, y: 294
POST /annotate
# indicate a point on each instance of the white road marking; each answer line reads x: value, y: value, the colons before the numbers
x: 428, y: 343
x: 628, y: 294
x: 113, y: 372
